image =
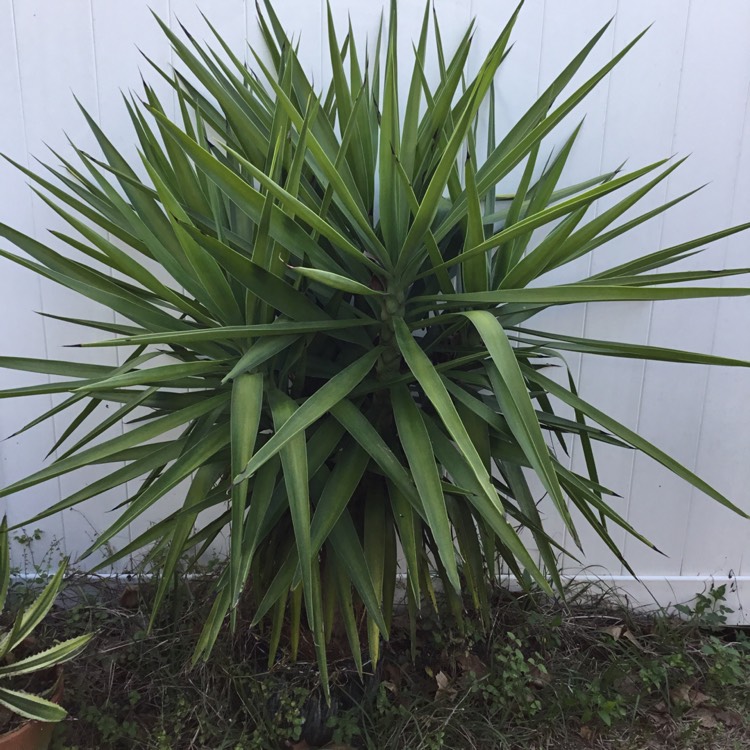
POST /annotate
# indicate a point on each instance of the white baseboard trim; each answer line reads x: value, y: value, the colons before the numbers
x: 651, y: 592
x: 645, y: 593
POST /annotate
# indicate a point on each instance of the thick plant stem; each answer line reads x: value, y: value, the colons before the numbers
x: 389, y: 363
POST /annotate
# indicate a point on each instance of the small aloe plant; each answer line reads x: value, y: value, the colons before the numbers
x: 14, y: 670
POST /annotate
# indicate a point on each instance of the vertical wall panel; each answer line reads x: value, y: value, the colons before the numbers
x: 671, y: 406
x: 55, y: 54
x: 124, y: 36
x: 517, y: 84
x: 21, y: 328
x: 683, y: 89
x: 724, y: 438
x: 586, y: 158
x: 639, y: 128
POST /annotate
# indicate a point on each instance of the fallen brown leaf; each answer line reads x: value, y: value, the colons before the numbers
x: 615, y: 631
x: 630, y: 637
x: 587, y: 733
x: 729, y: 717
x: 688, y: 695
x: 629, y: 685
x: 621, y: 631
x: 389, y: 686
x: 392, y: 673
x: 469, y: 662
x: 129, y: 597
x: 706, y: 718
x: 709, y: 717
x: 659, y: 720
x: 443, y: 686
x: 539, y: 678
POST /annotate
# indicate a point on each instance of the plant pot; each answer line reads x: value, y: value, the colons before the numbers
x: 33, y: 735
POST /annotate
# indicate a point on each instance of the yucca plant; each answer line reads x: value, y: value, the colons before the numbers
x: 18, y: 662
x: 340, y: 332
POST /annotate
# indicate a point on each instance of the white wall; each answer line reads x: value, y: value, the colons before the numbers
x: 684, y: 89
